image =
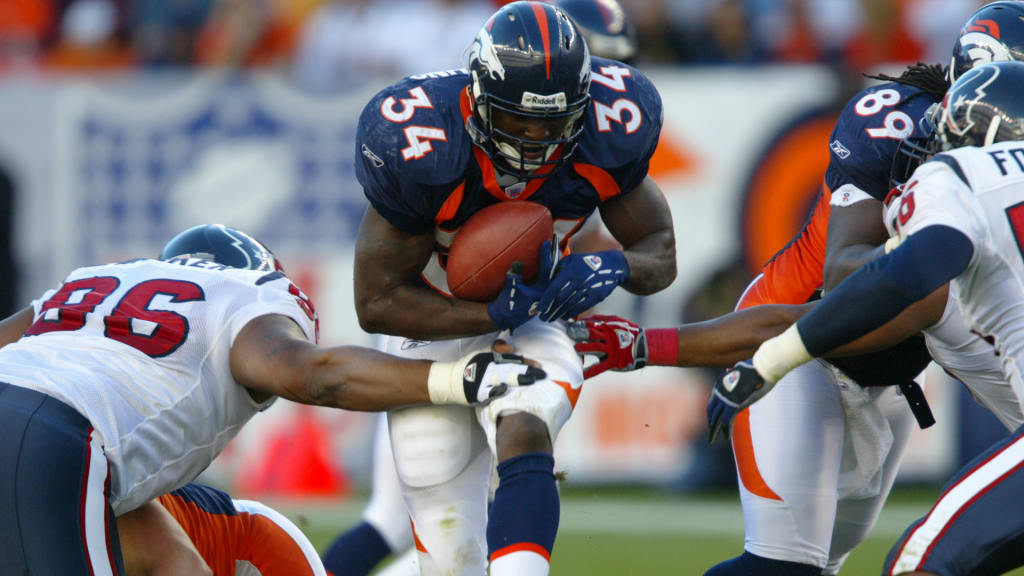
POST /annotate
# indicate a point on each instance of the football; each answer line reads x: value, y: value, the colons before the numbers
x: 490, y: 241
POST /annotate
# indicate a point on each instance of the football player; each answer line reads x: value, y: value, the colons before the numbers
x: 532, y: 118
x: 384, y: 528
x: 130, y: 378
x: 959, y: 220
x: 803, y: 513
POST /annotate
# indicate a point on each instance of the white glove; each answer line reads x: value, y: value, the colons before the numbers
x: 479, y: 377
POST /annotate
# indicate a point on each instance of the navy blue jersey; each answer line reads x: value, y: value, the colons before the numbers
x: 421, y: 171
x: 864, y: 140
x: 861, y: 148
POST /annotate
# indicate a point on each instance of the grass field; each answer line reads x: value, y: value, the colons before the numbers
x: 608, y: 532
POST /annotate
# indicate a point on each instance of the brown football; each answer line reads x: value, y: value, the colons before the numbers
x: 490, y: 241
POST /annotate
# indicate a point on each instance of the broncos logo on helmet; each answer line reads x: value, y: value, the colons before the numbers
x: 995, y: 33
x: 528, y: 65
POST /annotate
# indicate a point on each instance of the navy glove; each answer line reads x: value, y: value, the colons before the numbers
x: 581, y: 282
x: 735, y: 390
x: 518, y: 302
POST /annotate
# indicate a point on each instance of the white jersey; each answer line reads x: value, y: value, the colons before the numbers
x: 973, y: 361
x: 141, y: 349
x: 979, y: 192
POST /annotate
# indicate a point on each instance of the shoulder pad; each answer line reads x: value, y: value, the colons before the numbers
x: 868, y: 131
x: 624, y: 120
x: 414, y: 129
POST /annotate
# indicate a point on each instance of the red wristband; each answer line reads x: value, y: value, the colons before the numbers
x: 662, y: 346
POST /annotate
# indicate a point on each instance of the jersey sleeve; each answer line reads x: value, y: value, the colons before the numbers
x: 623, y: 132
x: 276, y: 294
x: 408, y: 153
x: 865, y: 139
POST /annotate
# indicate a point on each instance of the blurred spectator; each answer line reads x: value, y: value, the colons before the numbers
x: 91, y: 36
x: 348, y: 41
x: 25, y: 27
x: 165, y: 32
x: 252, y: 32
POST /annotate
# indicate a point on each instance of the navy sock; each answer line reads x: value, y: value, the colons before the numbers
x: 749, y: 564
x: 356, y: 552
x: 525, y: 508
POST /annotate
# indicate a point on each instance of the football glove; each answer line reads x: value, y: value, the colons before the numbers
x: 518, y: 302
x: 617, y: 343
x: 582, y: 281
x: 738, y: 388
x: 479, y: 377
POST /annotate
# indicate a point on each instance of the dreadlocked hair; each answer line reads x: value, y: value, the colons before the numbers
x: 930, y: 78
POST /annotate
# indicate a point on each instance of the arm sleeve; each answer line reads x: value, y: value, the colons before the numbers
x: 880, y: 290
x: 274, y: 298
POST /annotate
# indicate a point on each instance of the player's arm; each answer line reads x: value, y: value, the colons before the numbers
x: 855, y: 233
x: 728, y: 339
x: 642, y: 223
x: 154, y: 544
x: 14, y: 326
x: 271, y: 355
x: 388, y: 297
x: 869, y: 298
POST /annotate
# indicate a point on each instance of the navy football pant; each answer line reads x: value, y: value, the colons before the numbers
x: 976, y: 528
x: 54, y: 484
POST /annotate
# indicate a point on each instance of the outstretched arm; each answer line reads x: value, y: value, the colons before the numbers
x: 272, y: 356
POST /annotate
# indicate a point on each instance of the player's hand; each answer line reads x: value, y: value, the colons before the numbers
x: 518, y: 301
x: 617, y: 343
x: 479, y: 377
x: 582, y: 281
x: 738, y: 388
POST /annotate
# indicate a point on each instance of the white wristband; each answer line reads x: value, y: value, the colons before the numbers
x: 892, y: 243
x: 777, y: 356
x: 444, y: 383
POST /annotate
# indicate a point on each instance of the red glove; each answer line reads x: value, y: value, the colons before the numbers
x: 617, y: 343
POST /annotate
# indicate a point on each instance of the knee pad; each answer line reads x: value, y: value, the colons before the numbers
x: 748, y: 564
x: 431, y: 444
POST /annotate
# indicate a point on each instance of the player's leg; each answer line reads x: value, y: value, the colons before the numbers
x: 384, y: 529
x: 521, y: 428
x: 855, y: 516
x: 54, y: 485
x: 788, y: 450
x: 444, y: 468
x: 973, y: 528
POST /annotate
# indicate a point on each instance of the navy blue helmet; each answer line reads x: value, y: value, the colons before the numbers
x: 982, y: 107
x: 528, y: 64
x: 605, y: 27
x: 995, y: 33
x: 223, y: 245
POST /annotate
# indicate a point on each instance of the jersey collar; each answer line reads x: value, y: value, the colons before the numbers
x: 487, y: 167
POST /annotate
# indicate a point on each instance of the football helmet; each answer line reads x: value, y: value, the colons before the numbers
x: 913, y: 150
x: 605, y: 27
x: 223, y: 245
x: 982, y: 107
x: 530, y: 87
x: 995, y: 33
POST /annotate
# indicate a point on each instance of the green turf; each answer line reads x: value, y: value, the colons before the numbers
x: 609, y: 532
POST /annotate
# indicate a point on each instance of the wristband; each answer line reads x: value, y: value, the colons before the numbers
x: 778, y: 355
x: 662, y: 346
x: 444, y: 385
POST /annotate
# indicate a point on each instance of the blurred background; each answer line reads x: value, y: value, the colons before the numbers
x: 124, y: 121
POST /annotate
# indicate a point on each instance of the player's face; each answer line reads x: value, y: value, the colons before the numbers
x: 530, y: 129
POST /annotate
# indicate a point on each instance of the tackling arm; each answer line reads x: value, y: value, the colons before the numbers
x: 388, y: 264
x: 271, y: 355
x: 854, y: 234
x: 642, y: 223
